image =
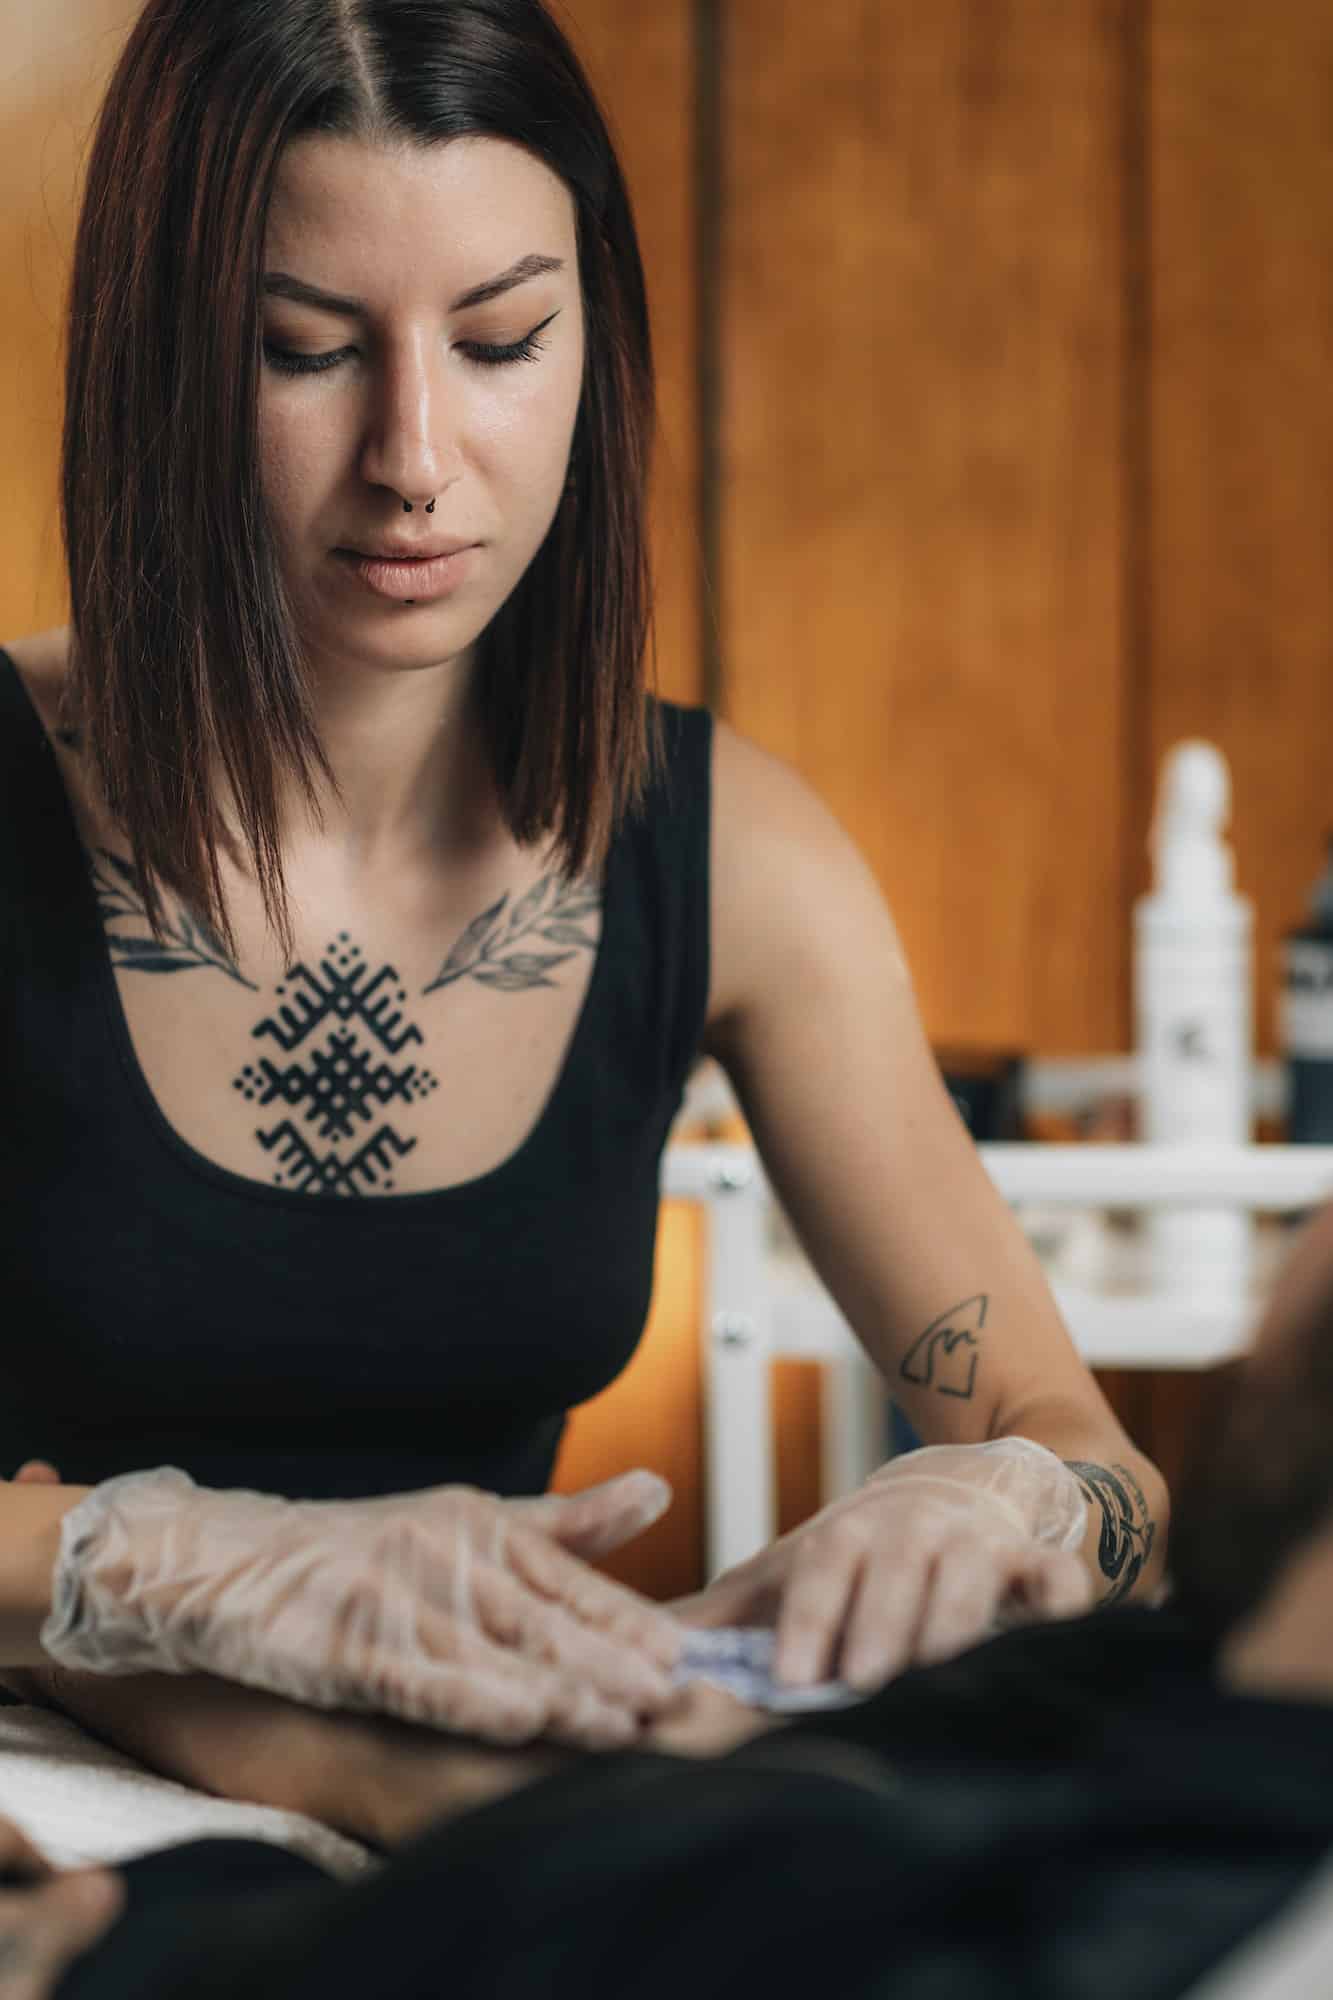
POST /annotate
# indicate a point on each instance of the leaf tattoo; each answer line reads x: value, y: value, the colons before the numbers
x: 190, y: 944
x: 551, y: 909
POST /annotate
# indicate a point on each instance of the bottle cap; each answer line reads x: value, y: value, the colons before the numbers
x: 1193, y: 864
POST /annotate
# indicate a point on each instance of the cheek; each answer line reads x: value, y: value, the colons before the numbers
x: 290, y: 449
x: 528, y: 431
x: 528, y: 422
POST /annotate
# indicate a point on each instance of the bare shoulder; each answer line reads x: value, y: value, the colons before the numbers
x: 786, y: 877
x: 42, y: 661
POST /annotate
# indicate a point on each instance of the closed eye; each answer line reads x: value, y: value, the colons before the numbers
x: 288, y: 362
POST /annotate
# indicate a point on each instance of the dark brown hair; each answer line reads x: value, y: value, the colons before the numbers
x: 185, y: 658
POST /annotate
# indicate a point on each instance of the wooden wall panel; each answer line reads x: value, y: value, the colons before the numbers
x: 1240, y: 610
x: 55, y: 65
x: 1237, y: 504
x: 639, y: 57
x: 924, y: 359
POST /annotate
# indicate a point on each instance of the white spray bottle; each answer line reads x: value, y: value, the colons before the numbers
x: 1193, y: 989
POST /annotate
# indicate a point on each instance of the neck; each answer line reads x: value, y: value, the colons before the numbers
x: 1286, y: 1647
x: 408, y: 756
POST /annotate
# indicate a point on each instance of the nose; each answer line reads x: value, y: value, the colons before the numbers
x: 414, y: 444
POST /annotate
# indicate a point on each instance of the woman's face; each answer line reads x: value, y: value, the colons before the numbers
x: 410, y: 405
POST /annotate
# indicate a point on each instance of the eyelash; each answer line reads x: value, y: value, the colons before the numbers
x: 288, y: 363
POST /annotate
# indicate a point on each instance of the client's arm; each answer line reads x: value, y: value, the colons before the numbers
x: 221, y: 1737
x: 373, y: 1777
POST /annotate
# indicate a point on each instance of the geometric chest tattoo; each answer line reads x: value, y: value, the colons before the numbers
x: 335, y: 1078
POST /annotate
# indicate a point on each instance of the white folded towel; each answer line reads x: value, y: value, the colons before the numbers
x: 84, y: 1804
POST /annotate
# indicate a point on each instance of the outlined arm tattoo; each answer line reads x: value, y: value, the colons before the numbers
x: 945, y: 1357
x: 190, y: 946
x: 1127, y: 1532
x: 551, y: 909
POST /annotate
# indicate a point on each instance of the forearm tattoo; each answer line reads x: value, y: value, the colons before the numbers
x: 336, y: 1025
x: 1127, y: 1530
x: 945, y: 1357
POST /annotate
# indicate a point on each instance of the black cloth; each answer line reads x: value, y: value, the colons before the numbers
x: 1069, y: 1812
x: 159, y: 1309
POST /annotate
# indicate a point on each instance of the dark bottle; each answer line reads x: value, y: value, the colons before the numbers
x: 1305, y: 1018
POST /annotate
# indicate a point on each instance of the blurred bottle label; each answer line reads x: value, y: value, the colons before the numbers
x: 1305, y: 1008
x: 1194, y: 1037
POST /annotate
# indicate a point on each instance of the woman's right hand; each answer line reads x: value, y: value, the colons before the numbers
x: 450, y: 1607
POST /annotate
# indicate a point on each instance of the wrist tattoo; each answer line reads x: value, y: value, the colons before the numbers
x: 1127, y: 1531
x: 945, y: 1357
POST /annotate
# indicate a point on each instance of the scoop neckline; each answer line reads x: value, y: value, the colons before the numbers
x: 243, y: 1185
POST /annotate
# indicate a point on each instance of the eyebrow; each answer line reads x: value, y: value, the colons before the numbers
x: 282, y: 285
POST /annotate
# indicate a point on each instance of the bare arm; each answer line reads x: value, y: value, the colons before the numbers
x: 817, y: 1026
x: 235, y: 1742
x: 372, y: 1777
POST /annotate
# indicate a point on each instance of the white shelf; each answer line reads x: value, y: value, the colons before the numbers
x: 1273, y: 1178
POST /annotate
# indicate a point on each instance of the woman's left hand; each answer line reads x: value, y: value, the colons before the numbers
x: 936, y: 1550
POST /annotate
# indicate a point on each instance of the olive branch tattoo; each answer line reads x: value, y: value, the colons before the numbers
x: 485, y: 953
x: 191, y: 944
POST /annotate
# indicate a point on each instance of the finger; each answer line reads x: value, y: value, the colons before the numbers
x: 453, y: 1677
x: 446, y: 1674
x: 600, y: 1518
x: 543, y: 1630
x: 583, y: 1721
x: 496, y: 1696
x: 885, y: 1618
x: 966, y: 1584
x: 821, y: 1583
x: 37, y: 1472
x: 594, y: 1600
x: 1050, y: 1583
x: 733, y: 1599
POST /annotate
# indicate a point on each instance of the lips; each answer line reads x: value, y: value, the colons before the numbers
x: 407, y: 551
x: 410, y: 582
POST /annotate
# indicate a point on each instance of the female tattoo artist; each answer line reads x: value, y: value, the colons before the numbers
x: 365, y: 915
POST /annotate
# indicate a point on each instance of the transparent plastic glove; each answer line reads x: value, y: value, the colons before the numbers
x: 450, y: 1607
x: 934, y: 1551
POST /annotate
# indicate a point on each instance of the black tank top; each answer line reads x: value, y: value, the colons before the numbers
x: 159, y: 1309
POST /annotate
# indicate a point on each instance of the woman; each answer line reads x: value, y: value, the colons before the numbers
x: 366, y: 919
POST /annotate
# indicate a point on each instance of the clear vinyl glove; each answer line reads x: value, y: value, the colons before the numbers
x: 450, y: 1607
x: 934, y: 1552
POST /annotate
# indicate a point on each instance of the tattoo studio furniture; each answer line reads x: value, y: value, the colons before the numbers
x: 761, y: 1301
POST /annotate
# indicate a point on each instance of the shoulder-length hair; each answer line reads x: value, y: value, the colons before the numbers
x: 185, y: 658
